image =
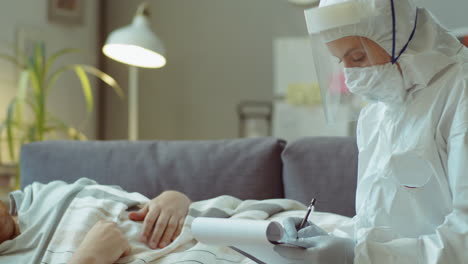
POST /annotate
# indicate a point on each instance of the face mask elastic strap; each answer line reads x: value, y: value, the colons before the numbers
x: 395, y: 59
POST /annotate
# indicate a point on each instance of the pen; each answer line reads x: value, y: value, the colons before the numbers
x: 310, y: 209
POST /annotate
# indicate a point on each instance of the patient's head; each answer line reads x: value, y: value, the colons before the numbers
x: 7, y: 224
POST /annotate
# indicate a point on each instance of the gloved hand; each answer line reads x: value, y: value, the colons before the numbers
x: 320, y: 250
x: 291, y: 232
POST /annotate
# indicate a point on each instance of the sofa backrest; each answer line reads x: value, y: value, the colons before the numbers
x: 322, y: 168
x: 244, y: 168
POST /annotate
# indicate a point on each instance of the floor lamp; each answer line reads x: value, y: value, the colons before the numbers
x: 137, y: 46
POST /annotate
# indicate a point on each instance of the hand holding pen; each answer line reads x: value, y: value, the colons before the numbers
x: 310, y: 209
x: 299, y: 228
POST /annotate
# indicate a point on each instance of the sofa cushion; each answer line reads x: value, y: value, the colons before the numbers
x: 244, y: 168
x: 324, y: 168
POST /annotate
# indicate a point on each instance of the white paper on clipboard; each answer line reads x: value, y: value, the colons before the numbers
x: 254, y: 239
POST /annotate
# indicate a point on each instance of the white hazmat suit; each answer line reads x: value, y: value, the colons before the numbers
x: 412, y: 194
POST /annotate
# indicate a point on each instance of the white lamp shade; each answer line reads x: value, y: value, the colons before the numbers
x: 136, y: 45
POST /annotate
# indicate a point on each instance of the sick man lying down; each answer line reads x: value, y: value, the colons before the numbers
x: 49, y: 222
x: 89, y: 223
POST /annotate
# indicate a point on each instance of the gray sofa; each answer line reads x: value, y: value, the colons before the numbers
x: 263, y: 168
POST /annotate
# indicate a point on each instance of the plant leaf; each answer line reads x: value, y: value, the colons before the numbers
x: 19, y: 58
x: 57, y: 125
x: 12, y: 59
x: 31, y: 134
x: 21, y: 95
x: 74, y: 134
x: 23, y: 85
x: 31, y: 68
x: 9, y: 127
x: 70, y: 131
x: 38, y: 59
x: 55, y: 75
x: 2, y: 127
x: 86, y: 86
x: 103, y: 77
x: 91, y: 70
x: 39, y: 95
x: 51, y: 60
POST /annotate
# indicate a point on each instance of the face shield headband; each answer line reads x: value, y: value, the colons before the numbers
x: 395, y: 59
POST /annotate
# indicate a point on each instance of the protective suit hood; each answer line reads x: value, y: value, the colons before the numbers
x: 430, y: 42
x: 412, y: 191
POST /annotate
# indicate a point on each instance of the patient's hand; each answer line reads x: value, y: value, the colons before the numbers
x: 104, y: 244
x: 163, y: 218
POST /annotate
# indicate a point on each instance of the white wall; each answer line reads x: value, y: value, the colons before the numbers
x: 451, y: 13
x: 66, y: 101
x: 219, y: 52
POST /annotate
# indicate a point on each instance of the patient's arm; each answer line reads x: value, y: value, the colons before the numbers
x: 104, y: 244
x: 163, y: 218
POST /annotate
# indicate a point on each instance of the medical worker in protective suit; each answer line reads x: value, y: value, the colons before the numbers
x: 412, y: 77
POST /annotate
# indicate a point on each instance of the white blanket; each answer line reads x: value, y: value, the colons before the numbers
x: 96, y: 202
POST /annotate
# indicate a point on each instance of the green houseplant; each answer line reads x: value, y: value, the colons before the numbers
x: 27, y: 117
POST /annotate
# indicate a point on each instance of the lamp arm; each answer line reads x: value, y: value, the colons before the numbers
x: 143, y: 10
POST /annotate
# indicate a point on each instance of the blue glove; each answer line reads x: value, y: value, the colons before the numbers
x: 319, y: 250
x: 291, y: 232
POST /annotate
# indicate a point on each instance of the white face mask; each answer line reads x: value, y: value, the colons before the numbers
x: 382, y: 83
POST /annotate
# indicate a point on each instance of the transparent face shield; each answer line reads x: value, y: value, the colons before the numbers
x: 349, y: 71
x: 332, y: 53
x: 353, y: 70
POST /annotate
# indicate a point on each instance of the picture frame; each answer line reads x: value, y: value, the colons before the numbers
x: 68, y: 12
